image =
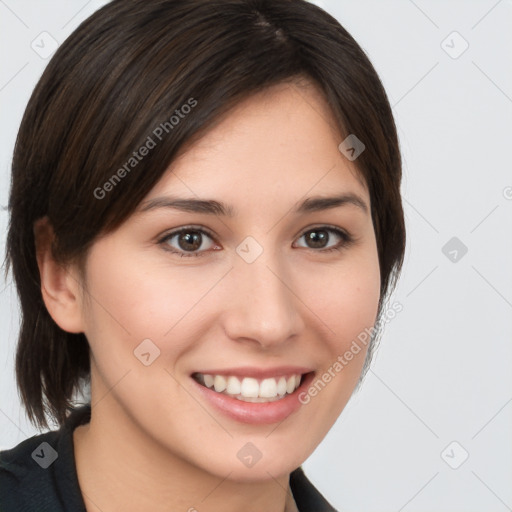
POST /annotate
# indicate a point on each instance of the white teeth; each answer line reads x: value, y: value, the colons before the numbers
x: 281, y: 386
x: 250, y: 389
x: 268, y: 388
x: 220, y: 383
x: 234, y: 386
x: 290, y: 384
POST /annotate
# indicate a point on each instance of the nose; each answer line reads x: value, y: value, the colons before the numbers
x: 264, y: 307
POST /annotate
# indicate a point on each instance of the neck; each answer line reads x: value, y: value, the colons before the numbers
x: 120, y: 468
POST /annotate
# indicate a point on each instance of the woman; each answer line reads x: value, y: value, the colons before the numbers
x: 205, y: 219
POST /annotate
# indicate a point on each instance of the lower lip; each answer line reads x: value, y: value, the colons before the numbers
x: 256, y: 413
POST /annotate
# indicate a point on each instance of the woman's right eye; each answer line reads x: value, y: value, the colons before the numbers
x: 188, y: 239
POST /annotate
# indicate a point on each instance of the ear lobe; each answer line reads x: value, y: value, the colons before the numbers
x: 60, y: 286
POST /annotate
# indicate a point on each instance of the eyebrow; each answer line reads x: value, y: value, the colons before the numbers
x: 213, y: 207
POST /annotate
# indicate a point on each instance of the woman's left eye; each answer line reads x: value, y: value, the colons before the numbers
x: 318, y: 236
x: 190, y: 240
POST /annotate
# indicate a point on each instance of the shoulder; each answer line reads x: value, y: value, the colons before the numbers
x: 39, y: 473
x: 22, y: 472
x: 306, y: 495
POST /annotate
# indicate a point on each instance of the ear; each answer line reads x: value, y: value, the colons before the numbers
x: 60, y: 285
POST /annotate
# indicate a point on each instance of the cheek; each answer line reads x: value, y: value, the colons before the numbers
x: 345, y: 302
x: 136, y: 299
x: 133, y: 300
x: 346, y: 299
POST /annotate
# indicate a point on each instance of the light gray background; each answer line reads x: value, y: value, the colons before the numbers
x: 443, y: 370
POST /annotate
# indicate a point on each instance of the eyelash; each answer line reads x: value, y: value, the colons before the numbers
x: 346, y: 239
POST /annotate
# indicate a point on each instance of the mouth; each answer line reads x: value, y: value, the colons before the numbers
x: 254, y: 396
x: 251, y: 389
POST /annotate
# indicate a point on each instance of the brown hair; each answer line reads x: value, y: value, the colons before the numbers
x: 121, y: 74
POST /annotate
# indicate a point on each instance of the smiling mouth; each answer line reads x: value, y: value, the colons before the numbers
x: 249, y: 389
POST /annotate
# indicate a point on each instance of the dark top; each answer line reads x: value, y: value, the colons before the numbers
x: 39, y: 474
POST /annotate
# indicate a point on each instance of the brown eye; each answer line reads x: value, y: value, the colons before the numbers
x: 318, y: 238
x: 186, y: 241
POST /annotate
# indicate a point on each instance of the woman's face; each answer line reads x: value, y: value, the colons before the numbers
x: 251, y: 297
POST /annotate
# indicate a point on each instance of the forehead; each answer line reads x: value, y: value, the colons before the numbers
x: 279, y: 144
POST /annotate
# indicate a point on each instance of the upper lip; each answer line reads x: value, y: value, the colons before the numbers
x: 258, y: 373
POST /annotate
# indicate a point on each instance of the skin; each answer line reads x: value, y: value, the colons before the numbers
x: 153, y: 442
